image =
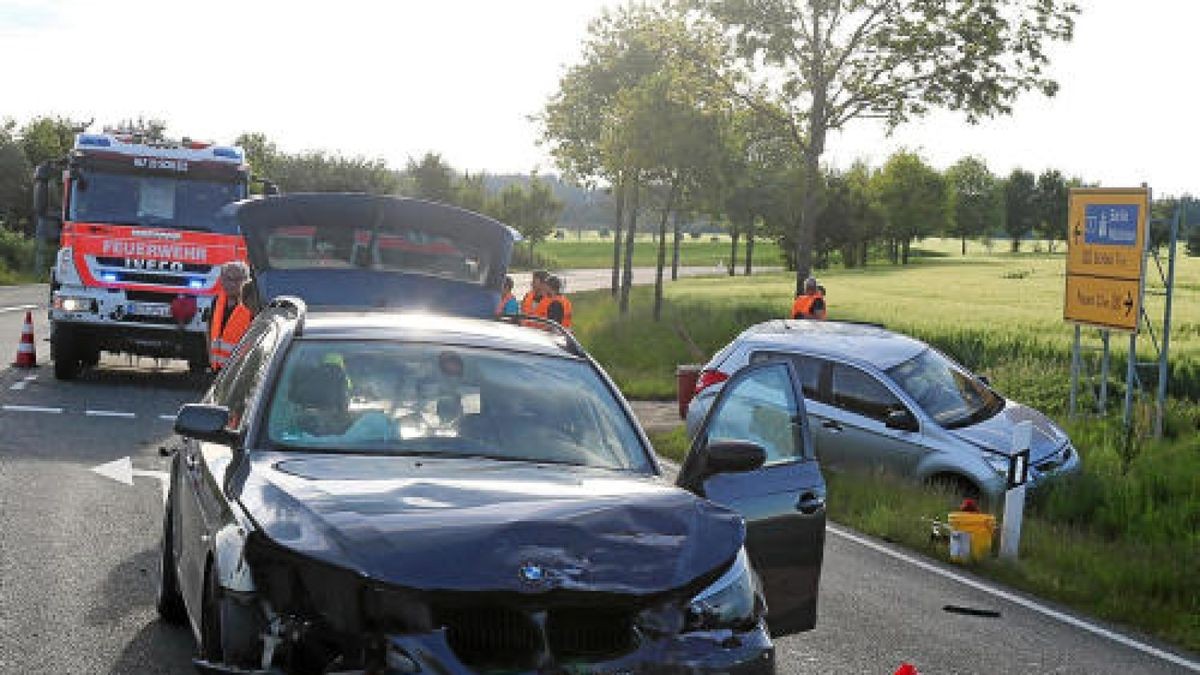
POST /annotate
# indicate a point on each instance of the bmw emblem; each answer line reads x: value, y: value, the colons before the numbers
x: 532, y: 573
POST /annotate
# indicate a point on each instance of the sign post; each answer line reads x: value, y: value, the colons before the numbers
x: 1014, y: 498
x: 1106, y: 254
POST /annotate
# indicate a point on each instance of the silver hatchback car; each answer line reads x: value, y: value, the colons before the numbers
x: 882, y: 400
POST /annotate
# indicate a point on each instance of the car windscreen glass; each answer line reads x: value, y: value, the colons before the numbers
x: 947, y: 393
x: 150, y: 199
x: 429, y: 399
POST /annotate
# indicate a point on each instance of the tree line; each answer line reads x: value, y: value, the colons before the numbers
x: 724, y: 107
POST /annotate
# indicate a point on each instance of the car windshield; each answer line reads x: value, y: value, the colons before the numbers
x: 431, y: 399
x: 946, y: 392
x: 150, y: 200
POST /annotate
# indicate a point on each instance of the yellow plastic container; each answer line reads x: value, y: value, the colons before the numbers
x: 981, y: 527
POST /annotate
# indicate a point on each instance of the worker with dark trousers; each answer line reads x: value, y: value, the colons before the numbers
x: 231, y: 315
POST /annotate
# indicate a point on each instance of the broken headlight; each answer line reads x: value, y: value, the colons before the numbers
x: 732, y: 601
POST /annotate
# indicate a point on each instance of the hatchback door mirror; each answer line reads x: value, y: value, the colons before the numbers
x: 204, y: 422
x: 734, y: 456
x: 902, y: 420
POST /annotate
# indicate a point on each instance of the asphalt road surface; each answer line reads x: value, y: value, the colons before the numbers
x: 78, y: 551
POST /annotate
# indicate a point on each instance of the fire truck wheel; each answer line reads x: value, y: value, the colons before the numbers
x: 65, y: 353
x: 89, y: 358
x: 198, y: 365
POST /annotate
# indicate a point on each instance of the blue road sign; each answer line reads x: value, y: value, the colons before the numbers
x: 1111, y: 224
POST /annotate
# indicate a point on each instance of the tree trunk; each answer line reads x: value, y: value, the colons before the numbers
x: 813, y: 149
x: 662, y: 250
x: 733, y: 237
x: 1016, y: 244
x: 749, y: 248
x: 864, y: 252
x: 675, y: 255
x: 904, y: 252
x: 964, y: 245
x: 630, y: 237
x: 616, y: 267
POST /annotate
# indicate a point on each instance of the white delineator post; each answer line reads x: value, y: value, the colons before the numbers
x: 1014, y: 499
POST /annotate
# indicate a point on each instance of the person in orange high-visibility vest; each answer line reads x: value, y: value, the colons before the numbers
x: 811, y: 303
x: 508, y: 302
x: 230, y: 314
x: 558, y: 306
x: 537, y: 290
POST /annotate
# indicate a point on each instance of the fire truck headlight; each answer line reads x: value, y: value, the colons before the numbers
x: 69, y: 303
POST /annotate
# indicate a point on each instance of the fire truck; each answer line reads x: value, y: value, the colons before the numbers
x: 141, y: 245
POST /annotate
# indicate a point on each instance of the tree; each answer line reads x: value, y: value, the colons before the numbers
x: 432, y: 178
x: 827, y: 63
x: 1020, y: 209
x: 532, y: 209
x: 261, y: 153
x: 976, y: 205
x: 470, y: 192
x: 1050, y: 201
x: 913, y: 196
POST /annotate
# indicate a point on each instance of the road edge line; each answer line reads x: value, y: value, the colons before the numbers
x: 1063, y: 617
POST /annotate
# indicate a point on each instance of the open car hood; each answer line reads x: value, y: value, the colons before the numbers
x: 432, y: 524
x: 349, y: 250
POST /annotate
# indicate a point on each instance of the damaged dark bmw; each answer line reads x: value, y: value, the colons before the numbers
x: 385, y: 479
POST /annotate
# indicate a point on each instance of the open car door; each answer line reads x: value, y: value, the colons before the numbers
x: 371, y: 251
x: 783, y: 501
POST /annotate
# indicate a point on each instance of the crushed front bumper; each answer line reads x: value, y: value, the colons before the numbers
x: 726, y: 652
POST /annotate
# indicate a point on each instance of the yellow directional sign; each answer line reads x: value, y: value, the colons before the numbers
x: 1106, y: 232
x: 1106, y: 244
x: 1108, y: 303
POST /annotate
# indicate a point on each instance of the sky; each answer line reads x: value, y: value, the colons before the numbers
x: 398, y: 78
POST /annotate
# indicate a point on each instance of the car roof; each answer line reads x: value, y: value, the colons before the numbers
x: 419, y: 326
x: 867, y: 343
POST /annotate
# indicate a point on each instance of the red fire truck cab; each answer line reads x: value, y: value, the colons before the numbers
x: 140, y: 246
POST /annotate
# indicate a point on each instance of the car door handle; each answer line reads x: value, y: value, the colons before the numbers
x: 831, y: 425
x: 810, y: 503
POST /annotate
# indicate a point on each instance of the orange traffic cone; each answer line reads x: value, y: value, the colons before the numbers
x: 26, y: 355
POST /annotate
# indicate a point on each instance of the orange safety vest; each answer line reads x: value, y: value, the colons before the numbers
x: 802, y: 308
x: 566, y: 305
x: 529, y: 304
x: 224, y: 336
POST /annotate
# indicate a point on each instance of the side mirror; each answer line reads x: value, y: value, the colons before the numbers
x: 984, y: 379
x: 902, y: 420
x: 734, y: 457
x: 204, y: 422
x: 41, y: 198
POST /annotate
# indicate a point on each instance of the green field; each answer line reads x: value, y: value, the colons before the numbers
x: 592, y: 252
x: 1001, y: 313
x: 1121, y: 540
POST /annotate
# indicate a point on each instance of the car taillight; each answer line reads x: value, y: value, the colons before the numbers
x: 709, y: 378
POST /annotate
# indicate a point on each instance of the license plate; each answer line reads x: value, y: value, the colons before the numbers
x: 148, y: 309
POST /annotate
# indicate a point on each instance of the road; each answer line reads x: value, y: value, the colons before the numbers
x: 78, y: 551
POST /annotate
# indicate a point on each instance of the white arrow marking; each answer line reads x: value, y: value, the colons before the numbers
x: 122, y: 471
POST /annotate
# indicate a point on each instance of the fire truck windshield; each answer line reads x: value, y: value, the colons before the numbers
x: 150, y: 200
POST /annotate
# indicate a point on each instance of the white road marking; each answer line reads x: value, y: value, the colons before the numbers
x: 109, y: 413
x: 17, y: 308
x: 170, y: 418
x: 1016, y: 599
x: 122, y: 471
x: 18, y: 386
x: 31, y: 408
